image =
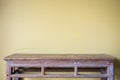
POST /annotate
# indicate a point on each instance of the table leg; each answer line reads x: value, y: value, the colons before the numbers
x: 8, y: 72
x: 110, y: 72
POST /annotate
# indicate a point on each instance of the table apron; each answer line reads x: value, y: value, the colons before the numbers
x: 53, y: 63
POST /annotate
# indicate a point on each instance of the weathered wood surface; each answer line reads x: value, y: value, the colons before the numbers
x: 8, y: 72
x: 60, y: 57
x: 60, y: 76
x: 67, y: 62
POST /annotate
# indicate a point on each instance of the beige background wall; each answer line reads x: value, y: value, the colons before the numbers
x: 60, y: 26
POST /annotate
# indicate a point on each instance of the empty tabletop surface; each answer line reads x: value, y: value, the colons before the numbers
x: 60, y: 56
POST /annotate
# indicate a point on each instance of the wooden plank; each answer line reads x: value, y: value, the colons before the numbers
x: 59, y: 76
x: 97, y: 65
x: 89, y: 57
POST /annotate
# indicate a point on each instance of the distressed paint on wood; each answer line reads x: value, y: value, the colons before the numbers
x: 70, y: 62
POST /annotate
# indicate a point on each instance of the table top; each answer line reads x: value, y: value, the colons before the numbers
x: 103, y: 57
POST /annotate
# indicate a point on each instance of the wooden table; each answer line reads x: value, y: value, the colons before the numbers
x: 71, y: 65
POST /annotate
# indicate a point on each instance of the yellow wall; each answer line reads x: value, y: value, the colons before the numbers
x: 59, y: 26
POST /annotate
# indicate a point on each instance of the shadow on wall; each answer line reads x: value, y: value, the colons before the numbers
x: 117, y: 68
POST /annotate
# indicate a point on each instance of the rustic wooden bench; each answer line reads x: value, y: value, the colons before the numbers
x: 21, y: 66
